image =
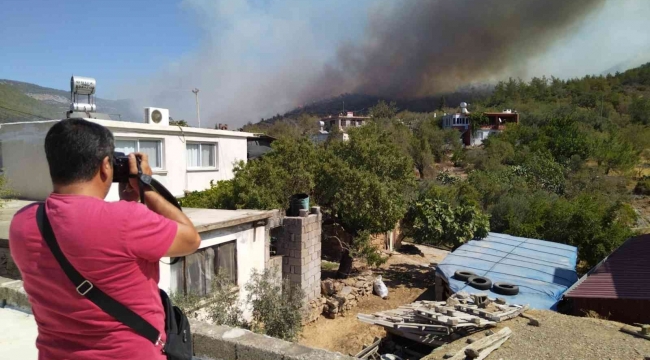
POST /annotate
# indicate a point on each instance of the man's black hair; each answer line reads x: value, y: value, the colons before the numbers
x: 75, y: 149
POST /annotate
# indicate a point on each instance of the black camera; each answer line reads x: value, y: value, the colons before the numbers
x: 121, y: 167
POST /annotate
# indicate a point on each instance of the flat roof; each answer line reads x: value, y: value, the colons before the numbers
x: 203, y: 219
x: 151, y: 128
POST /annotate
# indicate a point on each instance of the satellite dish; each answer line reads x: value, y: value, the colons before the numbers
x: 156, y: 116
x: 463, y: 104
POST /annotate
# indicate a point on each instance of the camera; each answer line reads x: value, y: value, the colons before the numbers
x: 121, y: 167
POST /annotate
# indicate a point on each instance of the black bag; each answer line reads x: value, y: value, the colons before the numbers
x: 177, y: 326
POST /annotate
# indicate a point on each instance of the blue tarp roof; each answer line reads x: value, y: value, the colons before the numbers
x: 543, y: 270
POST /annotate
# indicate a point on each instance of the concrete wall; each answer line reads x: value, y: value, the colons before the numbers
x: 225, y: 343
x: 301, y: 247
x: 26, y: 168
x: 210, y: 341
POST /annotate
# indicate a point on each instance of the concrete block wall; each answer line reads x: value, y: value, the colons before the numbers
x: 300, y: 245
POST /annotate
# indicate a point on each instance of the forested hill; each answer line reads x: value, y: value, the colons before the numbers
x: 617, y: 97
x: 21, y: 101
x: 609, y: 94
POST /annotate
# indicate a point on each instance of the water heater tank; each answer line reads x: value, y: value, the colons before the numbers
x: 83, y: 107
x: 82, y: 85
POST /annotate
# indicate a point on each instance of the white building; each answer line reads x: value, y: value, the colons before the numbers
x: 340, y: 123
x: 182, y: 158
x: 461, y: 121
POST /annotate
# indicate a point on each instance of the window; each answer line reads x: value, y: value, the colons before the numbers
x: 201, y: 268
x: 153, y: 148
x: 201, y: 156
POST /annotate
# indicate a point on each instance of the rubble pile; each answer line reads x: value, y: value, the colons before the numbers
x: 340, y: 296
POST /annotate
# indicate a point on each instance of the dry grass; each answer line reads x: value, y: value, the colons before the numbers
x: 594, y: 315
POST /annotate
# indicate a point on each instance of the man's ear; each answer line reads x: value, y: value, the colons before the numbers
x: 106, y: 169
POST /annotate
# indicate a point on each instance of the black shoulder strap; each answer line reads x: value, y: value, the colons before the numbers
x: 85, y: 288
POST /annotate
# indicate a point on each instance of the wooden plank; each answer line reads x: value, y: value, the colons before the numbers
x: 487, y: 351
x: 531, y: 319
x: 510, y: 314
x: 482, y: 344
x: 369, y: 350
x: 425, y: 340
x: 634, y: 331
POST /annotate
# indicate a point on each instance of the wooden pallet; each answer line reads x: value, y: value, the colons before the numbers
x: 430, y: 322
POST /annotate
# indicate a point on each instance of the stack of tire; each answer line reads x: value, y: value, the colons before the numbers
x: 483, y: 283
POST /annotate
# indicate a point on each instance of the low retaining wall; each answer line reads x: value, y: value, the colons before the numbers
x: 211, y: 342
x: 225, y: 343
x: 8, y: 267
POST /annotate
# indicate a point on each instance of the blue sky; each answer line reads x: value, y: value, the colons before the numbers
x: 45, y: 41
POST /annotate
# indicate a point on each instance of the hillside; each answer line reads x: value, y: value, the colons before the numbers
x: 361, y: 104
x: 21, y: 101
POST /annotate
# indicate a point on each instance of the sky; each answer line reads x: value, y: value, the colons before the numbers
x: 249, y: 58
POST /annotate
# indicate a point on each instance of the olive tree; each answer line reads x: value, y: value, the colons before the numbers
x: 361, y: 183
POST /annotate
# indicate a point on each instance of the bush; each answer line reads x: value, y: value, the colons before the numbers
x: 222, y: 304
x: 643, y: 186
x: 436, y: 222
x: 446, y: 178
x: 277, y: 308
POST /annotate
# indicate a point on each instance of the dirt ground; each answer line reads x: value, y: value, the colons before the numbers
x: 560, y: 337
x: 407, y: 275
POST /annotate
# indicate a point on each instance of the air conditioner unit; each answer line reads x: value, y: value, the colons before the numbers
x: 157, y: 116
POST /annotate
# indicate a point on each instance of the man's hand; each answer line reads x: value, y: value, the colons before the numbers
x: 133, y: 170
x: 127, y: 193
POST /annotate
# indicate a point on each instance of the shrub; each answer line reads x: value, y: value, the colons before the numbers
x: 643, y: 186
x: 277, y: 308
x: 434, y: 221
x: 446, y: 178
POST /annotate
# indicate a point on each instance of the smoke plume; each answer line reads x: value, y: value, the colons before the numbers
x: 428, y: 47
x: 258, y: 58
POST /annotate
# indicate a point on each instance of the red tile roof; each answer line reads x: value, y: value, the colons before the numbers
x: 625, y: 274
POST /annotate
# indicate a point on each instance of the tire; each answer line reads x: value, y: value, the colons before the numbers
x: 505, y: 288
x: 463, y: 275
x: 480, y: 282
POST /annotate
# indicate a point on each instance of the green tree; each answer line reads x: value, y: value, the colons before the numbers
x: 640, y: 110
x: 383, y: 110
x: 614, y: 153
x: 362, y: 184
x: 442, y: 104
x: 436, y: 222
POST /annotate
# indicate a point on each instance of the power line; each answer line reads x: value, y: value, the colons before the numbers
x: 24, y: 113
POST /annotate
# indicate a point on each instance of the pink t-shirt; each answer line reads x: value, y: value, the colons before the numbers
x: 117, y: 247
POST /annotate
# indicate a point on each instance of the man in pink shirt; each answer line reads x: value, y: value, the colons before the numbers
x: 116, y: 246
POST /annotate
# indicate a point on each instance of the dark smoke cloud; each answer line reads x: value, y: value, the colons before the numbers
x: 428, y: 47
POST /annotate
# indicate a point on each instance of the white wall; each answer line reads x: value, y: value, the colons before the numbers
x: 25, y: 165
x: 250, y: 256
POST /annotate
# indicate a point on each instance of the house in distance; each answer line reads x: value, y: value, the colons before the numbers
x: 340, y: 122
x: 462, y: 122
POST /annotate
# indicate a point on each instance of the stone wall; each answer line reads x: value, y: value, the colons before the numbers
x: 300, y: 244
x: 341, y: 296
x: 8, y: 267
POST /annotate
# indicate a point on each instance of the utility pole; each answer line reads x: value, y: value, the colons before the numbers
x: 198, y: 113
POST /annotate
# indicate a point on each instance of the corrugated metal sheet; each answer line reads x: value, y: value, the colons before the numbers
x: 625, y: 274
x: 543, y: 270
